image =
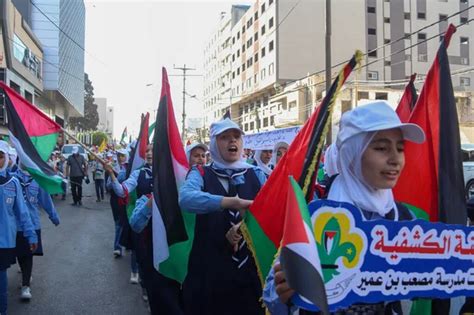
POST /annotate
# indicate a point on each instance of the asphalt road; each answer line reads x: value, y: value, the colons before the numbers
x: 78, y: 273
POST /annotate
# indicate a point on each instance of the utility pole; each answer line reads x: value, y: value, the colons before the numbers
x: 184, y: 69
x: 328, y: 63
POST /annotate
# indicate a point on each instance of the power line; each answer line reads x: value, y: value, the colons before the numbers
x: 372, y: 62
x: 66, y: 34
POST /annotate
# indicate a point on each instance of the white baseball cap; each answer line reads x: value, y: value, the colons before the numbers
x: 376, y: 116
x: 4, y: 147
x: 75, y: 149
x: 220, y: 126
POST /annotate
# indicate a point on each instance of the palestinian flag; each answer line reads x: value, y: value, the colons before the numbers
x: 408, y: 100
x: 124, y: 136
x: 264, y: 222
x: 171, y: 240
x: 34, y: 136
x: 435, y: 186
x: 299, y: 256
x: 151, y: 129
x: 137, y: 160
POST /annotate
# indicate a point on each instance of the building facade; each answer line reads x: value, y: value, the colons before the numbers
x: 21, y: 57
x: 276, y: 44
x: 60, y: 26
x: 106, y: 116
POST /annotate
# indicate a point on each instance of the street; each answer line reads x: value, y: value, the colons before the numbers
x: 78, y: 273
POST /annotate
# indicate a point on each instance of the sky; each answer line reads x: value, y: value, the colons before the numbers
x: 128, y: 42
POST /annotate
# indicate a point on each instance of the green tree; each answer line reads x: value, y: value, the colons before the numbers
x: 91, y: 116
x: 98, y: 136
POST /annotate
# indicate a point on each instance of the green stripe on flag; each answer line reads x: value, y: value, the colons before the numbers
x: 176, y: 266
x: 52, y: 184
x: 45, y: 144
x: 132, y: 200
x: 263, y: 249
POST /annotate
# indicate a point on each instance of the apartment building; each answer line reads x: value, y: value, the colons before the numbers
x: 277, y: 44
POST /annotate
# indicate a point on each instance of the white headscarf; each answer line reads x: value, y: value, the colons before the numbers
x: 277, y: 146
x: 350, y: 186
x: 13, y: 155
x: 330, y: 160
x: 264, y: 167
x: 216, y: 129
x: 193, y: 146
x: 5, y: 148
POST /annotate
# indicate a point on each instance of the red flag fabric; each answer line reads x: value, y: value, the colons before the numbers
x: 408, y: 100
x: 432, y: 179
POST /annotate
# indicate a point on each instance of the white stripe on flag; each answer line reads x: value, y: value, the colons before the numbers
x: 160, y: 242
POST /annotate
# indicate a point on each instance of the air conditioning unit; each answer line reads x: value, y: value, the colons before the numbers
x: 464, y: 61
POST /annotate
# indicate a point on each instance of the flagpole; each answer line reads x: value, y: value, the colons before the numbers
x: 84, y: 146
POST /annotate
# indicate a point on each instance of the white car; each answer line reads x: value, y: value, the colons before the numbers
x: 468, y: 166
x: 66, y: 151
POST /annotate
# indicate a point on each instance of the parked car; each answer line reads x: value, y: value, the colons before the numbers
x: 66, y: 151
x: 468, y: 166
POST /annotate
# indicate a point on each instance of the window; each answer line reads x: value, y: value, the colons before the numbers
x: 270, y: 2
x: 255, y: 37
x: 407, y: 15
x: 372, y: 75
x: 243, y: 29
x: 263, y: 52
x: 252, y: 125
x: 370, y: 9
x: 262, y: 74
x: 29, y: 97
x: 271, y: 69
x: 270, y: 46
x: 233, y: 57
x: 255, y: 17
x: 243, y: 47
x: 233, y: 40
x: 372, y: 53
x: 255, y: 57
x: 464, y: 41
x: 246, y: 127
x: 381, y: 96
x: 386, y: 41
x: 387, y: 63
x: 255, y: 79
x: 272, y: 120
x: 263, y: 7
x: 465, y: 81
x: 246, y: 109
x: 263, y: 30
x: 238, y: 35
x: 238, y: 52
x: 265, y: 122
x: 372, y: 31
x: 421, y: 16
x: 233, y: 74
x: 243, y: 67
x: 238, y: 71
x: 443, y: 17
x: 362, y: 96
x: 421, y: 36
x: 386, y: 20
x: 270, y: 23
x: 463, y: 19
x: 249, y: 23
x: 464, y: 1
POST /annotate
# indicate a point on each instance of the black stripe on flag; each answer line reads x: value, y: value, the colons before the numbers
x: 18, y: 130
x: 165, y: 191
x: 451, y: 197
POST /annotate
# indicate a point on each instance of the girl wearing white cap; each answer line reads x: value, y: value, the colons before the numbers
x: 279, y: 150
x: 263, y: 160
x: 370, y: 158
x: 222, y: 276
x: 13, y: 211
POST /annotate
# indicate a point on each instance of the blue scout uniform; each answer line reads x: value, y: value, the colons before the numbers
x: 35, y: 197
x: 219, y: 281
x: 13, y: 214
x: 163, y: 293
